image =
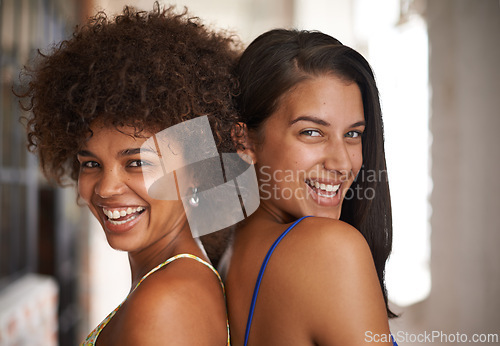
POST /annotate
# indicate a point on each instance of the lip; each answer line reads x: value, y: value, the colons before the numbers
x: 111, y: 227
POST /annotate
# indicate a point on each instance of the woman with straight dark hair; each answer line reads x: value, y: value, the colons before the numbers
x: 311, y: 123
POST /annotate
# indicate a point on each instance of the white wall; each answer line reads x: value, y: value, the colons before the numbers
x: 465, y: 120
x: 247, y: 18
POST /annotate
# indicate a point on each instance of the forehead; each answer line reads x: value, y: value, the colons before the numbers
x: 137, y: 127
x: 324, y: 95
x: 104, y: 134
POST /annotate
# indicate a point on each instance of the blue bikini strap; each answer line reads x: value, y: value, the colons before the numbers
x: 261, y: 273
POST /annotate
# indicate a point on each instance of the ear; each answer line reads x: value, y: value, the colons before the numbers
x: 245, y: 146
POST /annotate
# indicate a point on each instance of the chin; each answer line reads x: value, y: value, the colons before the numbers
x: 118, y: 244
x: 328, y: 213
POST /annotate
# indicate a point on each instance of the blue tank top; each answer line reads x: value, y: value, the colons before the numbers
x: 261, y: 274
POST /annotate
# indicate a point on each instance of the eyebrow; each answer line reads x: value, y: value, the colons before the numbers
x: 319, y: 121
x: 85, y: 153
x: 132, y: 151
x: 135, y: 151
x: 310, y: 118
x: 126, y: 152
x: 359, y: 123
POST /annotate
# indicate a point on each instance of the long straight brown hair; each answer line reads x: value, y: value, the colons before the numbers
x: 279, y: 59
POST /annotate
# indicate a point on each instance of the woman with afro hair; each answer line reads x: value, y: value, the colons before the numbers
x: 96, y: 101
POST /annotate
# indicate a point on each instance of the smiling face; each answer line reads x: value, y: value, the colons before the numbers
x: 310, y: 150
x: 111, y: 183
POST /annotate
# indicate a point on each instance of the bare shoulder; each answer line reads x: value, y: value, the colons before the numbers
x: 329, y: 239
x: 332, y: 253
x: 182, y: 297
x: 328, y: 250
x: 329, y: 264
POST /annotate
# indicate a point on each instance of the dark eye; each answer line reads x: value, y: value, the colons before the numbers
x: 353, y: 134
x: 136, y: 163
x: 89, y: 164
x: 311, y: 133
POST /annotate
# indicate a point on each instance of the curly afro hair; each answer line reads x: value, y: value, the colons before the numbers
x: 149, y: 70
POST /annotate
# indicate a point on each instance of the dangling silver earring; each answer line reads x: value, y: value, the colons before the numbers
x: 194, y: 200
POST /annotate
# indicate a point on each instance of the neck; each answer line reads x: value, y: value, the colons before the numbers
x: 173, y: 243
x: 271, y: 213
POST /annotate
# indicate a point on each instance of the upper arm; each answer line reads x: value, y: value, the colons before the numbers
x: 173, y: 314
x: 342, y: 291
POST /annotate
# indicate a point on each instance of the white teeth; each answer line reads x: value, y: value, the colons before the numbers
x: 326, y: 195
x: 115, y: 214
x: 323, y: 186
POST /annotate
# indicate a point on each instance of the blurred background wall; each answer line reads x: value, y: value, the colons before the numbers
x: 436, y: 63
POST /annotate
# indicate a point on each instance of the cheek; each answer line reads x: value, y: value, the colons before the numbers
x: 356, y: 161
x: 137, y: 185
x: 84, y: 189
x: 165, y: 212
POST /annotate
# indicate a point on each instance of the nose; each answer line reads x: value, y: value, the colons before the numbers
x: 110, y: 184
x: 337, y: 158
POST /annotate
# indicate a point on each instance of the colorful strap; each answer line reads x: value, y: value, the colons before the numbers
x: 91, y: 339
x: 261, y: 273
